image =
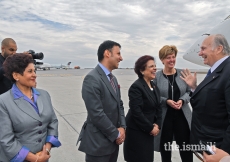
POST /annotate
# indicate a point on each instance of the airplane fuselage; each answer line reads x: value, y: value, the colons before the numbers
x: 192, y: 54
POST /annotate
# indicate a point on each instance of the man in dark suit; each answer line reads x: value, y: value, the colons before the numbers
x: 8, y: 47
x: 210, y: 100
x: 104, y: 129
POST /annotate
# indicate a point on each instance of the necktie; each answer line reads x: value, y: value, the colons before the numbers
x: 112, y: 82
x: 209, y: 72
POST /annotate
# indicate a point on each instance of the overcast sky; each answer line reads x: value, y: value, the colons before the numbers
x: 72, y: 30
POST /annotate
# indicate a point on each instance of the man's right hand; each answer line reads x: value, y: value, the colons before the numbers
x: 189, y: 78
x: 26, y: 52
x: 121, y: 138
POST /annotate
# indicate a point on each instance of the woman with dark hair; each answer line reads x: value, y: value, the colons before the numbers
x: 176, y: 113
x: 29, y: 126
x: 143, y: 119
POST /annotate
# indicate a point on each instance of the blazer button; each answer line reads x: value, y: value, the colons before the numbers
x: 40, y: 124
x: 39, y: 132
x: 39, y: 140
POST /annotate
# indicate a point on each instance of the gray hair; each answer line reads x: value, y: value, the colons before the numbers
x: 220, y: 40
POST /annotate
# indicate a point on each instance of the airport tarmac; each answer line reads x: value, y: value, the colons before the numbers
x: 64, y: 86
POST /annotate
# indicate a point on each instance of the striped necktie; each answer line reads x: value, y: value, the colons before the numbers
x: 112, y: 82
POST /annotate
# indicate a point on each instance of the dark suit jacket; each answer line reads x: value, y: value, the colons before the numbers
x: 5, y: 83
x: 105, y: 114
x: 211, y: 108
x: 144, y: 106
x: 144, y: 111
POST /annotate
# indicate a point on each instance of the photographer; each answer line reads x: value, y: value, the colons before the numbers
x: 8, y: 48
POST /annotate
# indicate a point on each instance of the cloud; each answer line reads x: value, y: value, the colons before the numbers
x: 67, y: 30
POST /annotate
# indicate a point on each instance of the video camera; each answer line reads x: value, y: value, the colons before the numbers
x: 38, y: 56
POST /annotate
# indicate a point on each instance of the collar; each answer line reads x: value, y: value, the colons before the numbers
x: 106, y: 71
x: 217, y: 63
x: 18, y: 94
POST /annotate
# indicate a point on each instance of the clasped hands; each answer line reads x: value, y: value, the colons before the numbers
x: 176, y: 105
x: 155, y: 130
x: 43, y: 155
x: 121, y: 138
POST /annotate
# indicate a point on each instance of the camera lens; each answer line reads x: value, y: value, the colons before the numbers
x: 39, y: 56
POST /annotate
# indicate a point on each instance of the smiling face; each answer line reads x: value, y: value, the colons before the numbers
x: 150, y: 70
x: 207, y: 52
x: 28, y: 79
x: 169, y: 61
x: 114, y: 57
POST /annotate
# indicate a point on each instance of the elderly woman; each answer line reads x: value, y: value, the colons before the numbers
x: 176, y: 113
x: 29, y: 126
x: 143, y: 119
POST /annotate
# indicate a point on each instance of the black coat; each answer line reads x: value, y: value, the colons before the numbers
x: 211, y: 108
x: 144, y: 111
x: 5, y: 83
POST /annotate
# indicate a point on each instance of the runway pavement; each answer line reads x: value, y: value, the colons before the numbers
x: 64, y: 86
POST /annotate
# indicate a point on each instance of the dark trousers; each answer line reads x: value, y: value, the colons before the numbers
x: 107, y: 158
x: 175, y: 124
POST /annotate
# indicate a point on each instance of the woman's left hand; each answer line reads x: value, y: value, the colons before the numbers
x: 179, y: 104
x: 43, y: 156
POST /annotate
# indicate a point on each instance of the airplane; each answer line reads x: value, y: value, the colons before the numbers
x: 62, y: 66
x: 192, y: 54
x: 44, y: 66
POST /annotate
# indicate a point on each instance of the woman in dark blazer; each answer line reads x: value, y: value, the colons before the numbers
x: 28, y: 124
x: 143, y: 119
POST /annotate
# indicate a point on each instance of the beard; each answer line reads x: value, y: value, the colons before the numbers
x: 5, y: 55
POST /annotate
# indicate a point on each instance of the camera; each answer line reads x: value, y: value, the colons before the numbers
x: 38, y: 56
